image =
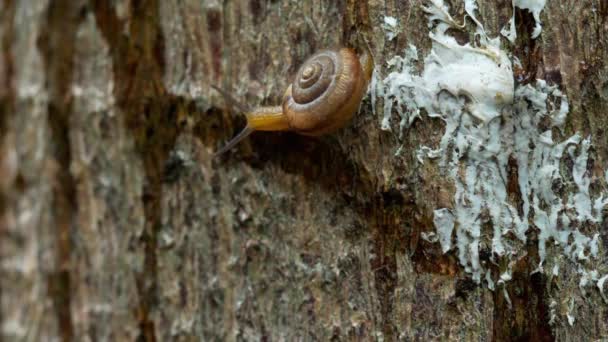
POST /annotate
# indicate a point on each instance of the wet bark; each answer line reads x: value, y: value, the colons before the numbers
x: 117, y: 224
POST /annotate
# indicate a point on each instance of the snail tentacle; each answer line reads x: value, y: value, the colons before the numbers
x: 237, y: 139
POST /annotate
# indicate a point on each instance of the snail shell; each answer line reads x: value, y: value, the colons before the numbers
x: 326, y: 92
x: 323, y: 97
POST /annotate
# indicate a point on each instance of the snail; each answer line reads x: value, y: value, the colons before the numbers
x: 324, y: 96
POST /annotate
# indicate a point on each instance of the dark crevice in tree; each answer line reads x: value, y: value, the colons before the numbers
x: 387, y: 242
x: 525, y: 47
x: 315, y: 159
x: 150, y: 115
x: 57, y: 47
x: 390, y: 216
x: 429, y: 258
x: 214, y: 26
x: 527, y: 318
x: 7, y: 106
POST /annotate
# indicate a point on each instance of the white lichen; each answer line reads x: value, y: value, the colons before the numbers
x: 570, y: 313
x: 444, y: 221
x: 390, y: 27
x: 552, y: 312
x: 497, y: 137
x: 600, y: 286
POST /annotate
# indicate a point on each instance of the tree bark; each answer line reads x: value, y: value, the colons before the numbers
x: 116, y: 222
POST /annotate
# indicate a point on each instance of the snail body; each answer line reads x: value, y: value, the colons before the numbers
x: 324, y: 96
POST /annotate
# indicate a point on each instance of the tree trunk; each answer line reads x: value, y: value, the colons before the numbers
x: 116, y: 222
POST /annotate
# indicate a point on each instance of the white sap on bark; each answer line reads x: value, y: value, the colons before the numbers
x: 489, y: 121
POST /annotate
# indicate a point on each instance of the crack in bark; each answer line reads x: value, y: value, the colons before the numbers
x: 7, y: 105
x: 57, y: 47
x: 527, y: 319
x: 149, y: 113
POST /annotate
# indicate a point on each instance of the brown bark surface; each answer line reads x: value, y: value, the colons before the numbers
x: 117, y: 224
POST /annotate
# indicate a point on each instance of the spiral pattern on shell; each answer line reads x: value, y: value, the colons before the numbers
x: 314, y: 77
x: 326, y: 92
